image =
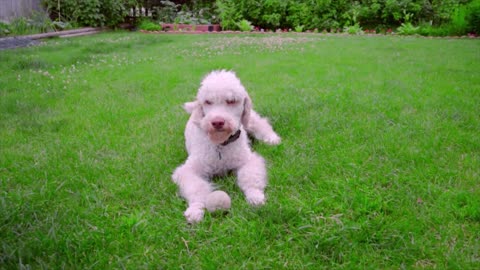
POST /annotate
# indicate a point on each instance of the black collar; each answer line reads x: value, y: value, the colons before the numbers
x: 232, y: 138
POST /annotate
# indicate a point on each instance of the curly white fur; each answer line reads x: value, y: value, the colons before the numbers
x: 217, y: 200
x: 222, y: 108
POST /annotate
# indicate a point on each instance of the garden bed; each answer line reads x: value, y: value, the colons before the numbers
x: 191, y: 27
x: 196, y: 31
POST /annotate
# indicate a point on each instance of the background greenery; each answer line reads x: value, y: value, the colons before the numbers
x: 378, y: 168
x: 333, y: 15
x: 406, y: 17
x: 272, y: 14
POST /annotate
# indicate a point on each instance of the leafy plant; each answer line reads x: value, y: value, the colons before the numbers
x: 429, y: 30
x: 245, y: 26
x: 41, y: 23
x: 352, y: 15
x: 114, y: 12
x: 407, y: 29
x: 188, y: 17
x: 458, y: 23
x: 88, y: 12
x: 25, y: 26
x: 4, y: 29
x: 62, y: 25
x: 271, y: 20
x: 299, y: 13
x: 167, y: 12
x: 407, y: 17
x: 473, y: 17
x: 273, y: 14
x: 330, y: 24
x: 440, y: 12
x: 299, y: 28
x: 228, y: 13
x: 38, y: 22
x: 353, y: 29
x: 148, y: 25
x: 20, y: 26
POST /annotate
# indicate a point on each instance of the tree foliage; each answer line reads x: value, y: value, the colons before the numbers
x: 273, y: 14
x: 328, y: 14
x: 89, y: 12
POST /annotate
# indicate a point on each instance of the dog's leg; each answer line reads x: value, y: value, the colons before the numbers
x: 261, y: 129
x: 252, y: 180
x: 194, y: 189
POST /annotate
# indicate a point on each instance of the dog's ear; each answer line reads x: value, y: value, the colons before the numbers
x: 190, y: 106
x: 247, y: 108
x: 195, y: 110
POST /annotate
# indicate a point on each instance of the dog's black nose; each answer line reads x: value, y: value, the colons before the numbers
x: 218, y: 123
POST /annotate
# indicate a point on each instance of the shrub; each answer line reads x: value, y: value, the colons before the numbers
x: 440, y: 12
x: 473, y: 17
x: 327, y: 14
x: 274, y: 13
x: 4, y: 29
x: 458, y: 23
x: 38, y: 22
x: 271, y: 20
x: 20, y: 26
x: 245, y: 26
x: 88, y: 12
x: 148, y: 25
x: 114, y: 12
x: 167, y: 12
x: 429, y: 30
x: 299, y: 28
x: 189, y: 17
x: 407, y: 29
x: 299, y: 13
x: 330, y: 24
x: 228, y: 13
x: 41, y: 23
x: 62, y: 25
x: 353, y: 29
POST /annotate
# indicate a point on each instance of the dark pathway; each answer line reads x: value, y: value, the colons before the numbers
x: 16, y: 42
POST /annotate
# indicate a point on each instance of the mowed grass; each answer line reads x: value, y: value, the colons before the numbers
x: 379, y: 167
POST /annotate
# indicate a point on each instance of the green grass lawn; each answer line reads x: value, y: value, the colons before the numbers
x: 379, y: 167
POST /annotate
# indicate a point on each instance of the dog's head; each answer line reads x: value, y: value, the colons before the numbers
x: 222, y: 105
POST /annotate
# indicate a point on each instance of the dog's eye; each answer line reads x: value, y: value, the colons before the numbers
x: 208, y: 102
x: 231, y: 101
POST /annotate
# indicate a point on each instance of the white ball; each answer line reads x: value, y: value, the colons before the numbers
x: 217, y: 200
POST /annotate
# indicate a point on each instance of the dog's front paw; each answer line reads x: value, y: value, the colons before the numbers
x: 255, y: 197
x: 194, y: 213
x: 273, y: 139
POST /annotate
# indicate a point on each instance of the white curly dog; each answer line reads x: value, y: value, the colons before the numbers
x: 217, y: 143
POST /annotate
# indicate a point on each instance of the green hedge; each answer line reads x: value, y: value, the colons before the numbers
x: 89, y: 12
x: 334, y: 14
x: 452, y: 16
